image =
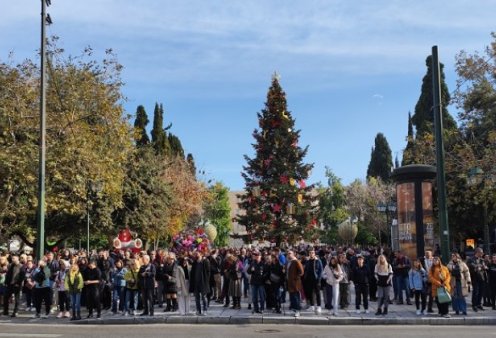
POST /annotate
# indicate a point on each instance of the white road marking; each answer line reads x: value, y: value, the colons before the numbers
x: 34, y: 335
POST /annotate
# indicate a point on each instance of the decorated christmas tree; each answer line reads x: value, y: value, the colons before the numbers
x: 278, y: 204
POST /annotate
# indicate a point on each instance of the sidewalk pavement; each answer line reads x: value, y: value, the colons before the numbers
x: 217, y: 314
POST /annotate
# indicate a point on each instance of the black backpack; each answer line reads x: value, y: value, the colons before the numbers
x: 39, y: 277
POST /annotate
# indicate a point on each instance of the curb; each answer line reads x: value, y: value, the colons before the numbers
x: 237, y: 320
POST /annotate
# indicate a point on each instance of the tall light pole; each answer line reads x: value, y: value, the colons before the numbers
x: 441, y: 181
x: 386, y: 208
x: 40, y: 239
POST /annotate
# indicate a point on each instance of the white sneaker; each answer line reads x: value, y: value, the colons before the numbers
x: 60, y: 315
x: 423, y: 312
x: 335, y: 313
x: 418, y: 312
x: 312, y: 308
x: 366, y: 311
x: 318, y: 311
x: 297, y: 314
x: 358, y: 311
x: 331, y: 313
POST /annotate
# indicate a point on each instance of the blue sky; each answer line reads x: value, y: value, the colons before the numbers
x: 350, y: 69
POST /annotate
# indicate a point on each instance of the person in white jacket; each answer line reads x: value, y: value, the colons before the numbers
x: 333, y: 275
x: 182, y: 279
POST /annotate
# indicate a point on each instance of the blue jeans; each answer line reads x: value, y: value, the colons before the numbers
x: 118, y: 297
x: 76, y: 302
x: 328, y: 296
x: 403, y: 286
x: 131, y: 295
x: 294, y: 301
x: 258, y: 297
x: 246, y: 284
x: 200, y: 301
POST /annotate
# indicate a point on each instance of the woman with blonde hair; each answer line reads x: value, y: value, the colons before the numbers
x: 74, y: 286
x: 334, y: 275
x: 440, y: 277
x: 383, y: 273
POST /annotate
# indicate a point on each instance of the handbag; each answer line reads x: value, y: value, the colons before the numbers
x: 443, y: 297
x: 274, y: 278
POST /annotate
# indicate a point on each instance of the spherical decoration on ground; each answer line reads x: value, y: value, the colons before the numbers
x: 211, y: 232
x: 347, y: 230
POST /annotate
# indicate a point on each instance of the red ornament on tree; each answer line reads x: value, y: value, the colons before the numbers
x: 276, y: 208
x: 284, y: 179
x: 303, y: 185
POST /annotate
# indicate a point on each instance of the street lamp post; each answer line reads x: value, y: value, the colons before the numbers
x: 386, y: 208
x: 476, y: 177
x: 92, y: 188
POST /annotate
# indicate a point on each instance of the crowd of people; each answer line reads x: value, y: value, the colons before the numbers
x: 131, y: 284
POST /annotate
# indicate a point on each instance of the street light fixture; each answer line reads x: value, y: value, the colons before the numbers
x: 476, y: 177
x: 386, y: 208
x: 92, y: 189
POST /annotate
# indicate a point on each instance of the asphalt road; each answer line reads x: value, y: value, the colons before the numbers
x: 225, y: 331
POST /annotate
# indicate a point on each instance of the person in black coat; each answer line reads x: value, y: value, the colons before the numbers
x: 13, y: 281
x: 92, y: 279
x: 146, y: 284
x: 360, y: 276
x: 199, y: 282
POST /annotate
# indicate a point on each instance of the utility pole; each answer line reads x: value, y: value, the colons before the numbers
x: 40, y: 239
x: 441, y: 182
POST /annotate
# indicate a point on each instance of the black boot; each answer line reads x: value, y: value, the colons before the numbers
x: 78, y: 315
x: 168, y: 308
x: 73, y: 315
x: 175, y: 306
x: 385, y: 312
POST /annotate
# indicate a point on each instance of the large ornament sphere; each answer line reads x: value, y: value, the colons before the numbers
x: 347, y: 231
x: 211, y: 232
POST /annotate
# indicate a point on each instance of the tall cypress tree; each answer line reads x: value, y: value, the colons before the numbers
x: 191, y: 162
x: 159, y: 136
x: 408, y: 153
x: 277, y: 202
x: 175, y: 145
x: 381, y: 160
x: 140, y: 127
x: 423, y: 118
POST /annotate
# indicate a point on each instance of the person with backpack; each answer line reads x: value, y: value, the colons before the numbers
x: 41, y: 291
x: 417, y: 280
x: 74, y: 286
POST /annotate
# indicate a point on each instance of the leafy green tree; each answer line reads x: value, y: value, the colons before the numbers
x: 381, y: 161
x: 88, y: 140
x: 278, y: 203
x: 146, y: 196
x: 332, y: 205
x: 140, y: 124
x: 218, y: 213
